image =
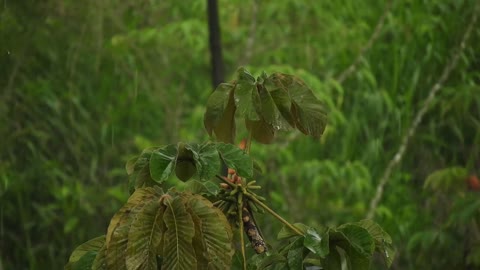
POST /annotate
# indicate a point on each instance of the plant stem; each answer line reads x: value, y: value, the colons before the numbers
x: 242, y: 241
x: 277, y: 216
x: 225, y: 180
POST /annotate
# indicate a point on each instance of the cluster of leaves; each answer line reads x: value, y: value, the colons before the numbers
x: 353, y: 243
x: 153, y: 229
x: 202, y: 161
x: 181, y: 230
x: 268, y: 104
x: 184, y: 230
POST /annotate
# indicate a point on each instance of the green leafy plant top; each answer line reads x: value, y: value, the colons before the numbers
x: 268, y: 104
x: 160, y: 227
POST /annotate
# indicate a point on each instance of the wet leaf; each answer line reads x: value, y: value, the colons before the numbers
x: 92, y: 245
x: 86, y: 261
x: 100, y: 262
x: 357, y: 243
x: 269, y: 111
x: 295, y: 254
x: 215, y: 231
x: 162, y: 162
x: 206, y: 159
x: 358, y: 238
x: 219, y: 117
x: 383, y: 241
x: 138, y: 170
x: 185, y: 164
x: 261, y: 131
x: 316, y: 243
x: 118, y: 229
x: 247, y: 99
x: 333, y: 260
x: 145, y: 236
x: 308, y: 112
x: 178, y: 252
x: 237, y: 159
x: 282, y: 101
x: 286, y: 232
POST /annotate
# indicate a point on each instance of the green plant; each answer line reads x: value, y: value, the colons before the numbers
x: 192, y: 226
x: 456, y: 207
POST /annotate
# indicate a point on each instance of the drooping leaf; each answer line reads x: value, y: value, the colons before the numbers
x: 86, y: 261
x: 378, y: 234
x: 237, y: 159
x: 308, y: 112
x: 357, y: 243
x: 310, y: 116
x: 94, y: 244
x: 178, y: 252
x: 185, y: 164
x: 270, y: 112
x: 162, y: 162
x: 317, y: 243
x: 333, y: 260
x: 206, y: 159
x: 215, y: 230
x: 219, y: 117
x: 383, y: 241
x: 138, y: 170
x: 286, y: 232
x: 144, y: 237
x: 130, y: 165
x: 100, y: 262
x: 261, y: 131
x: 247, y: 99
x: 388, y: 253
x: 216, y: 106
x: 357, y: 261
x: 198, y: 243
x: 117, y: 233
x: 295, y: 254
x: 359, y: 238
x: 282, y: 101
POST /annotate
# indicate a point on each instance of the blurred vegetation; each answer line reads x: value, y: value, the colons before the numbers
x: 87, y: 84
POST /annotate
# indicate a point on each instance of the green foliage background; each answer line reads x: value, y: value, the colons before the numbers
x: 85, y: 85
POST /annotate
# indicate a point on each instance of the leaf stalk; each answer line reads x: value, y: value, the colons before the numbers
x: 277, y: 216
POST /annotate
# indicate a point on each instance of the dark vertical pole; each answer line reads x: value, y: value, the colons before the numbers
x: 215, y: 50
x: 215, y: 43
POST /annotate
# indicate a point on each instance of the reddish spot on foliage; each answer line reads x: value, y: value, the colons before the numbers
x: 473, y: 183
x: 243, y: 144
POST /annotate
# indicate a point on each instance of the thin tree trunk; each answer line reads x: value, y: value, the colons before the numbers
x: 215, y: 51
x: 215, y: 43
